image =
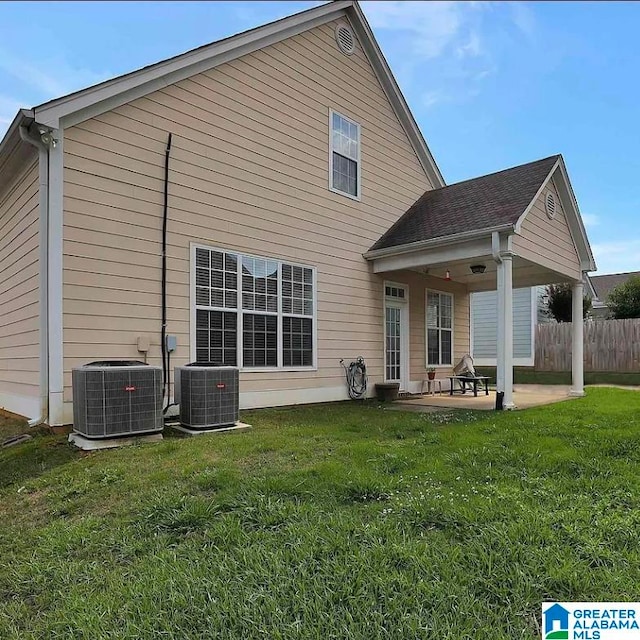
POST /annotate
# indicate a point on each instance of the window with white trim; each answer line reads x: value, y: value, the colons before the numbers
x: 439, y: 313
x: 345, y: 155
x: 253, y: 312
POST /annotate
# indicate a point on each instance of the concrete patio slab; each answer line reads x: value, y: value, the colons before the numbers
x: 524, y: 395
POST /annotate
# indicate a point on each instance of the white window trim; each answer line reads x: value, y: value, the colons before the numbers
x: 426, y: 330
x: 404, y: 343
x: 358, y: 196
x: 239, y: 311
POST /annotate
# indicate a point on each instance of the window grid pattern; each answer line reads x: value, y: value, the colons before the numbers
x: 392, y: 343
x: 216, y: 337
x: 216, y: 279
x: 274, y: 323
x: 394, y: 292
x: 345, y: 155
x: 259, y: 284
x: 439, y: 328
x: 297, y: 341
x: 297, y: 290
x: 259, y: 340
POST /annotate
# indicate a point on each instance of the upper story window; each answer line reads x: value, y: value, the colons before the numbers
x: 344, y: 158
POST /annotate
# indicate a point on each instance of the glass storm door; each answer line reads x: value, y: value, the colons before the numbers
x: 396, y: 357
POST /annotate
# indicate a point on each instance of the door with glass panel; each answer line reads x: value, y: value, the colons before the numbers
x: 396, y: 357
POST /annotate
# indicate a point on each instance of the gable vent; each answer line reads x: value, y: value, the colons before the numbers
x: 550, y: 205
x: 345, y: 39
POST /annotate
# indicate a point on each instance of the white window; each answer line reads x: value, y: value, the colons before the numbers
x: 439, y: 313
x: 344, y: 155
x: 252, y: 312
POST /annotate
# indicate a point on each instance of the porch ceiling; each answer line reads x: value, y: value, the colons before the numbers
x: 525, y: 273
x: 458, y: 257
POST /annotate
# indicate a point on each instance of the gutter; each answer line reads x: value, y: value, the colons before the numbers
x: 442, y: 241
x: 43, y: 262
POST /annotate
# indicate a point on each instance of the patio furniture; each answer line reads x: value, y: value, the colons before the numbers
x: 431, y: 386
x: 472, y: 381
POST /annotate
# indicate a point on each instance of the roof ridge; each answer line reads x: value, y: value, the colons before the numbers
x: 495, y: 173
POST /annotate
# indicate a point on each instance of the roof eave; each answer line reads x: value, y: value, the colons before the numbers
x: 441, y: 241
x: 394, y: 94
x: 11, y: 138
x: 150, y: 78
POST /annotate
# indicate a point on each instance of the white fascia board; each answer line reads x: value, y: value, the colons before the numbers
x: 443, y: 241
x: 436, y: 255
x: 576, y: 224
x: 530, y: 206
x: 394, y: 94
x: 570, y: 207
x: 12, y: 137
x: 107, y: 95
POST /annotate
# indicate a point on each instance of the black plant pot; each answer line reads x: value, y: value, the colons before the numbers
x: 387, y: 391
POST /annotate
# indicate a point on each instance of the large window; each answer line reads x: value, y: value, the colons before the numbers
x: 253, y: 312
x: 439, y: 313
x: 344, y: 160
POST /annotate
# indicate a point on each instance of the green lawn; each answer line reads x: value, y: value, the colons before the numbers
x: 341, y: 521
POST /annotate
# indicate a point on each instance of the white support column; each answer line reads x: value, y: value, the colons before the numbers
x: 500, y: 327
x: 507, y: 309
x: 577, y: 347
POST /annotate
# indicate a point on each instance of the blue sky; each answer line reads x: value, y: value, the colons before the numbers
x: 490, y: 84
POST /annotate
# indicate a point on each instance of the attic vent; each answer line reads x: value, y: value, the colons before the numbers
x: 345, y: 39
x: 550, y: 205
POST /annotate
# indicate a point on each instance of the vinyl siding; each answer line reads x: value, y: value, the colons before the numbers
x: 19, y: 290
x: 548, y: 242
x: 484, y: 328
x: 249, y: 172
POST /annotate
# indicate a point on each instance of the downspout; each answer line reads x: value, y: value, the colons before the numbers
x: 495, y: 252
x: 43, y: 269
x: 166, y: 356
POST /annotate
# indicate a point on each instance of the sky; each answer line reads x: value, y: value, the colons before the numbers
x: 491, y: 84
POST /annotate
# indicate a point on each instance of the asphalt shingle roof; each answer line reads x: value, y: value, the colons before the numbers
x: 488, y: 201
x: 603, y: 284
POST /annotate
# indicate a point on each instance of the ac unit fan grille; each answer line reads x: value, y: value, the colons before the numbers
x: 208, y: 396
x: 117, y: 401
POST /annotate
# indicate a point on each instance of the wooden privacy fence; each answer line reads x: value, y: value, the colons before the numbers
x: 609, y: 345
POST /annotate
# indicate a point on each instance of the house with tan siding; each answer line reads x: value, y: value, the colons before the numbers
x: 303, y: 216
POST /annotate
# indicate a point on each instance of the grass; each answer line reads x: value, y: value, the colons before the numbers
x: 340, y: 521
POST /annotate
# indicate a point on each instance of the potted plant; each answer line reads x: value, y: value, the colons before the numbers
x: 431, y: 373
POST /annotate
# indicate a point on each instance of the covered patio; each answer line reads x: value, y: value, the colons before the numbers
x: 516, y: 228
x: 525, y: 396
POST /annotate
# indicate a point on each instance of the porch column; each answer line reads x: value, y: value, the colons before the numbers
x: 504, y: 373
x: 577, y: 346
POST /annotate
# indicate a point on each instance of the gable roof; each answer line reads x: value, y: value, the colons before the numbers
x: 604, y: 284
x: 496, y: 202
x: 491, y: 201
x: 87, y: 103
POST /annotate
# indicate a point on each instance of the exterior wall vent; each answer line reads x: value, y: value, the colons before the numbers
x: 345, y: 39
x: 550, y: 205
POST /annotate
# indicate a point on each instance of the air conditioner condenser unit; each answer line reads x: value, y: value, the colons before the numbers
x: 208, y: 395
x: 114, y: 398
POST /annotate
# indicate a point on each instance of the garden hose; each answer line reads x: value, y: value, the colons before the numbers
x: 356, y: 374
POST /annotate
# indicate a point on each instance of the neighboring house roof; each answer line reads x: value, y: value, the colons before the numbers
x: 604, y: 284
x: 85, y: 104
x: 478, y: 207
x: 494, y: 200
